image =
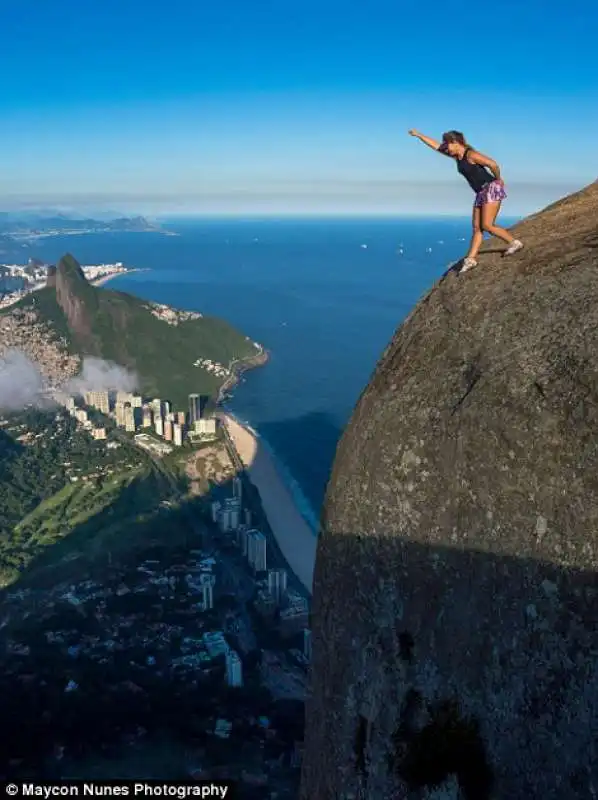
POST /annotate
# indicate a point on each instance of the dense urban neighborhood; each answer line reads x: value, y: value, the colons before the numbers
x: 181, y: 631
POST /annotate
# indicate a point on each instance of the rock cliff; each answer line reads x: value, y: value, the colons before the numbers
x: 75, y: 296
x: 455, y: 613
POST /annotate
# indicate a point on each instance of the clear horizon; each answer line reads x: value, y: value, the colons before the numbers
x: 252, y: 108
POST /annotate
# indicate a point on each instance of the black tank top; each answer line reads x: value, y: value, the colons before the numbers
x: 476, y: 175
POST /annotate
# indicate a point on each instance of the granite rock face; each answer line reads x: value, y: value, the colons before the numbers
x: 455, y: 613
x: 74, y: 295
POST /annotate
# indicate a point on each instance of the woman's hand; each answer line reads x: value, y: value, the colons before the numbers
x: 413, y: 132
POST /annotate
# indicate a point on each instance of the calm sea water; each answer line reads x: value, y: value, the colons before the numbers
x: 323, y: 296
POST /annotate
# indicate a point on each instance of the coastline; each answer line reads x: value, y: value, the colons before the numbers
x: 101, y: 281
x: 237, y: 368
x: 293, y: 534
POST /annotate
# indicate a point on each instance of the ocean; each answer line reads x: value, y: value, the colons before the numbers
x: 324, y: 297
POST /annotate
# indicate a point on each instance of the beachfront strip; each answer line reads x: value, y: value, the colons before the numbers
x: 33, y: 277
x: 294, y: 537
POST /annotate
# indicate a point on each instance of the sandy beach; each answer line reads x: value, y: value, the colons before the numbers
x: 101, y: 281
x: 294, y: 536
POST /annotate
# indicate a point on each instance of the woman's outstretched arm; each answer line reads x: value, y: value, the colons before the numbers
x: 426, y: 140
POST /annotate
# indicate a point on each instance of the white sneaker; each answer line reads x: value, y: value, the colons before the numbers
x: 513, y: 247
x: 468, y: 263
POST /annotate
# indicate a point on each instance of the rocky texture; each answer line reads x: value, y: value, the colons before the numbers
x: 75, y: 296
x: 455, y: 614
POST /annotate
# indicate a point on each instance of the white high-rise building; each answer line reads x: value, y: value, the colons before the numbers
x: 147, y: 418
x: 177, y: 434
x: 119, y: 412
x: 156, y: 406
x: 159, y: 425
x: 205, y: 425
x: 277, y: 583
x: 129, y: 419
x: 99, y: 400
x: 123, y: 397
x: 136, y: 400
x: 256, y: 550
x: 234, y: 669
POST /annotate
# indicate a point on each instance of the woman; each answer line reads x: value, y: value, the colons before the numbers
x: 483, y: 175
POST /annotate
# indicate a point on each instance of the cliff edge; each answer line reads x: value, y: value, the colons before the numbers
x: 455, y: 611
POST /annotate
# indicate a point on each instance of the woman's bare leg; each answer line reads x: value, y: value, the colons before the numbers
x: 489, y: 214
x: 477, y: 236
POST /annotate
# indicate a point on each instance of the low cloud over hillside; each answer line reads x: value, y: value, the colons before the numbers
x: 22, y: 384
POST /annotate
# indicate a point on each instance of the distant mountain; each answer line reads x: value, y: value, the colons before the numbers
x: 19, y: 224
x: 70, y: 318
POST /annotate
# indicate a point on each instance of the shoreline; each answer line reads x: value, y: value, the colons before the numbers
x: 293, y: 535
x: 237, y: 368
x: 101, y: 281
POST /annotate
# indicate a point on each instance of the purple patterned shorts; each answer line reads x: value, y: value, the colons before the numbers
x: 492, y: 192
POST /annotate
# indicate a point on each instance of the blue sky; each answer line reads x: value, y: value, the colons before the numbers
x: 249, y: 106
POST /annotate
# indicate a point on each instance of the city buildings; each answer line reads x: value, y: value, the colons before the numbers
x: 234, y: 669
x: 123, y: 397
x: 244, y: 540
x: 194, y: 409
x: 99, y: 400
x: 256, y: 550
x: 277, y: 584
x: 206, y: 426
x: 197, y: 406
x: 132, y: 413
x: 119, y: 413
x: 229, y: 515
x: 207, y: 581
x: 129, y: 419
x: 98, y: 433
x: 237, y: 488
x: 177, y: 435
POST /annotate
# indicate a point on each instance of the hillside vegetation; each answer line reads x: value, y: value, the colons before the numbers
x: 160, y: 345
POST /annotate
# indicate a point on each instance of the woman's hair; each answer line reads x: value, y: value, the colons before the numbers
x: 454, y: 136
